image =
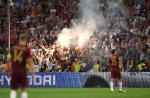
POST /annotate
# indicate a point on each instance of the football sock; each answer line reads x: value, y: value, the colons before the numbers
x: 111, y: 86
x: 120, y: 86
x: 13, y: 94
x: 24, y: 95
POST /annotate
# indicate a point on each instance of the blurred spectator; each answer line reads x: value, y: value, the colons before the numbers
x: 97, y: 67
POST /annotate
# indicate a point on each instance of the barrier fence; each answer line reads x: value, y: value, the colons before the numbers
x: 79, y: 80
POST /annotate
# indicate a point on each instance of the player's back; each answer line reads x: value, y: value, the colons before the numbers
x: 114, y: 61
x: 20, y: 54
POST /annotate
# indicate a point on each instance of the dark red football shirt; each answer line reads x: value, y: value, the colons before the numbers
x: 114, y: 61
x: 19, y: 54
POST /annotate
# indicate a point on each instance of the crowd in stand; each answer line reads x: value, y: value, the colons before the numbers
x: 44, y: 19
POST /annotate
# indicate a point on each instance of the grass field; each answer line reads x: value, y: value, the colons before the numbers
x: 80, y: 93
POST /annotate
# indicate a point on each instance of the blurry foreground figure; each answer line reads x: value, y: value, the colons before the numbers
x: 19, y: 59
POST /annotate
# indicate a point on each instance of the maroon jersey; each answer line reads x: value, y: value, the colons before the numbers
x: 114, y: 61
x: 20, y: 54
x: 115, y: 70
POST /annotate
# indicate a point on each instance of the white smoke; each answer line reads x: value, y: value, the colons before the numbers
x: 82, y: 31
x: 92, y: 20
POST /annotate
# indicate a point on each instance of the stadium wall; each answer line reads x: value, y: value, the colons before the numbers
x: 79, y: 80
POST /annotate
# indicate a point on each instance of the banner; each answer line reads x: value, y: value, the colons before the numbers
x: 46, y: 80
x: 79, y: 80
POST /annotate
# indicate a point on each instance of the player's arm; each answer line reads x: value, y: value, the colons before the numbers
x: 120, y: 64
x: 30, y: 65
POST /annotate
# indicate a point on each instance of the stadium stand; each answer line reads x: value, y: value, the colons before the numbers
x: 44, y: 19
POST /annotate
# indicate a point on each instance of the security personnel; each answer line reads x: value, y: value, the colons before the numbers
x: 76, y: 66
x: 97, y: 67
x: 140, y: 66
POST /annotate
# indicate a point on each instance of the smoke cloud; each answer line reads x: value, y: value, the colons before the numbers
x: 94, y: 18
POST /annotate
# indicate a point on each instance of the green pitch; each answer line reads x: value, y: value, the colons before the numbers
x: 80, y: 93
